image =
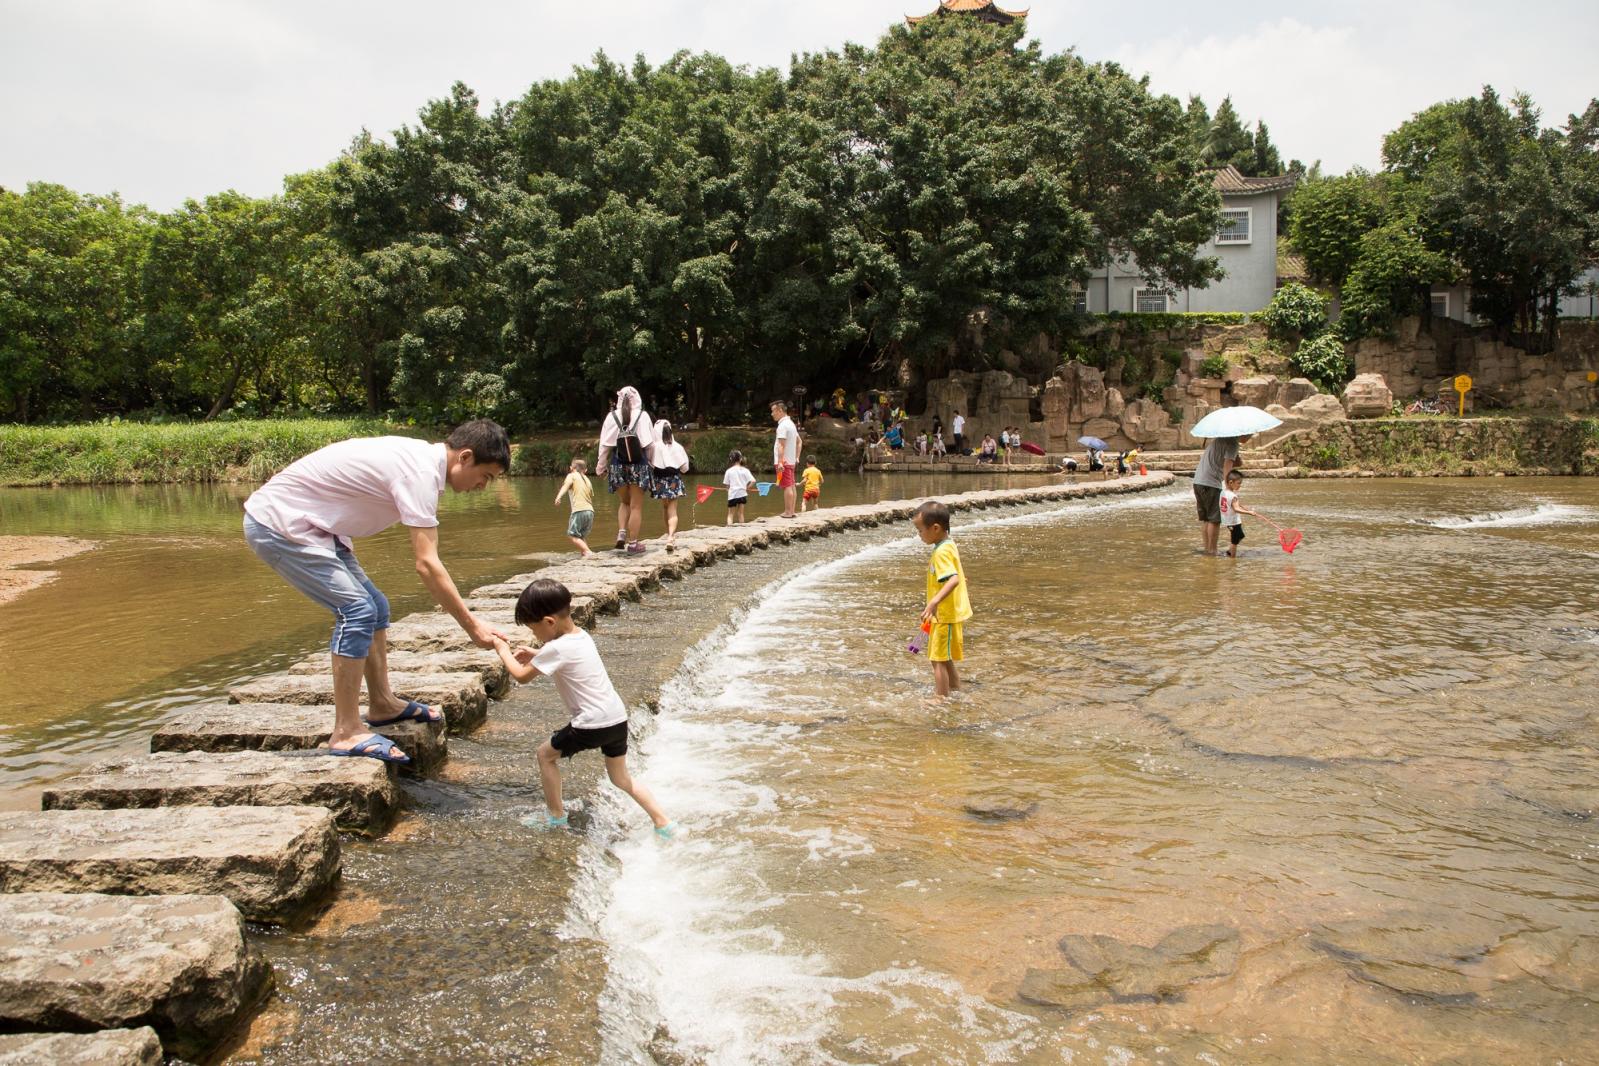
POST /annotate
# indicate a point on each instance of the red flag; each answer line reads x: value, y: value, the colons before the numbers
x: 703, y: 493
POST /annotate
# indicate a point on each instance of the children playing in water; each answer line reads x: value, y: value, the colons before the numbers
x: 738, y: 480
x: 948, y: 605
x: 1231, y: 509
x: 581, y: 492
x: 813, y: 486
x: 568, y: 657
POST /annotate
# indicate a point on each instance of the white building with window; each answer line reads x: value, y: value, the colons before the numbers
x: 1245, y: 243
x: 1455, y: 301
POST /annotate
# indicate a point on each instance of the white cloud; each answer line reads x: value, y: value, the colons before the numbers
x: 168, y: 99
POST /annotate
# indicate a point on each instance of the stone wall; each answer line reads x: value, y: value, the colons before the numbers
x: 1423, y: 362
x: 1448, y: 446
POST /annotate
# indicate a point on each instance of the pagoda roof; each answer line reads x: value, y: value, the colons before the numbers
x: 1230, y: 181
x: 985, y: 9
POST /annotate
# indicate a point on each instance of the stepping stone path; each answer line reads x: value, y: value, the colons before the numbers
x: 109, y: 1047
x: 219, y: 727
x: 84, y: 961
x: 273, y: 863
x: 361, y: 793
x: 460, y: 696
x: 234, y: 813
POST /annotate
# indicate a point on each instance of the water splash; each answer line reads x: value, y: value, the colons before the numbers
x: 1543, y: 514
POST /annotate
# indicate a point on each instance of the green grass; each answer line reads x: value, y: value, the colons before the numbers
x: 105, y: 453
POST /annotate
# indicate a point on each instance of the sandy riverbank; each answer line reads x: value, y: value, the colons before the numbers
x: 32, y: 551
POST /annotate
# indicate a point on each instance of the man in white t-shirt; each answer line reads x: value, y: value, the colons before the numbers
x: 785, y: 454
x: 957, y: 426
x: 301, y: 523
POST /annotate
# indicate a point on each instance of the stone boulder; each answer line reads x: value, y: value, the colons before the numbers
x: 1114, y: 403
x: 826, y: 427
x: 1295, y: 390
x: 1320, y: 408
x: 108, y: 1047
x: 1103, y: 428
x: 1368, y: 396
x: 1255, y: 391
x: 85, y: 961
x: 1103, y: 969
x: 1144, y: 421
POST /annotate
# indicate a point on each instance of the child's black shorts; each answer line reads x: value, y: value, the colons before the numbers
x: 1238, y: 532
x: 610, y: 739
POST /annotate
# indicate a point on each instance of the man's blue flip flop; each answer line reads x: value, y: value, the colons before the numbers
x: 374, y: 747
x: 414, y: 712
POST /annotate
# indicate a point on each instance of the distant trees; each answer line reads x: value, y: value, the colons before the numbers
x: 1471, y: 191
x: 698, y: 228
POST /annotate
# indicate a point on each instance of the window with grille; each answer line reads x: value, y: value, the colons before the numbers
x: 1234, y: 228
x: 1440, y: 305
x: 1151, y: 301
x: 1080, y: 301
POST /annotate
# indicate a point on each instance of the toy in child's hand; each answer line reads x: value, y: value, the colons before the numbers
x: 918, y: 639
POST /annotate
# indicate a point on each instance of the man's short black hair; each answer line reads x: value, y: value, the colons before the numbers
x: 934, y: 513
x: 780, y: 405
x: 487, y: 440
x: 543, y: 599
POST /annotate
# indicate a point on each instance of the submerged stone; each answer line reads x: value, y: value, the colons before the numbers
x: 290, y: 727
x: 361, y: 793
x: 85, y: 961
x: 273, y: 863
x: 1103, y: 969
x: 109, y: 1047
x: 997, y: 812
x: 1410, y: 954
x: 461, y: 697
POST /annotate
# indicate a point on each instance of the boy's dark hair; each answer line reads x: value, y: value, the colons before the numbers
x: 1234, y: 473
x: 810, y: 460
x: 934, y: 513
x: 487, y: 440
x: 735, y: 457
x: 543, y: 599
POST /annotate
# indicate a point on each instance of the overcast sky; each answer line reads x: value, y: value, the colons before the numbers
x: 163, y: 100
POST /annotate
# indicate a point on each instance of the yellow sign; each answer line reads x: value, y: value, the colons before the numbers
x: 1463, y: 383
x: 1592, y: 377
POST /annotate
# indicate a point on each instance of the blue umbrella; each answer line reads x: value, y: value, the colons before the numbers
x: 1235, y: 422
x: 1093, y: 442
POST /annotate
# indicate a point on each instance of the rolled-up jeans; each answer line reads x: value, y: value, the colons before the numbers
x: 330, y: 577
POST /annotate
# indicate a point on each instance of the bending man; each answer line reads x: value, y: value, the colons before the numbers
x: 301, y: 524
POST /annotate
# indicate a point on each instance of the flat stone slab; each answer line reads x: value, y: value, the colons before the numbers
x: 216, y: 727
x: 470, y: 660
x: 434, y: 633
x: 85, y: 961
x: 109, y: 1047
x: 273, y: 863
x: 461, y: 697
x: 1103, y: 969
x: 361, y: 793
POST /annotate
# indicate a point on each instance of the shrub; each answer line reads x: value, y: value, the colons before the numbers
x: 1296, y: 311
x: 1326, y: 457
x: 1323, y: 360
x: 1214, y: 367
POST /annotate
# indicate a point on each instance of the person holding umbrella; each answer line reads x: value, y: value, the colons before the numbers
x: 1096, y: 448
x: 1227, y: 429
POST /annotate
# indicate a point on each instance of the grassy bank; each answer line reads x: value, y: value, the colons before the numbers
x: 101, y: 453
x: 122, y: 453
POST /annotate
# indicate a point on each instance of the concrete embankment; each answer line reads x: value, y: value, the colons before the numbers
x: 232, y: 816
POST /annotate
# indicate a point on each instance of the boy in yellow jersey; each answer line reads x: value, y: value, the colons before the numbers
x: 948, y: 607
x: 813, y: 486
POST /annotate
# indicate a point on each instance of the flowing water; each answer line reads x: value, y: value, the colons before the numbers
x: 1335, y: 806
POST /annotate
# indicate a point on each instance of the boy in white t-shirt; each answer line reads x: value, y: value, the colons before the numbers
x: 1231, y: 509
x: 567, y: 655
x: 738, y: 480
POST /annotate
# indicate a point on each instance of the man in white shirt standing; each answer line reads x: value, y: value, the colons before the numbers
x: 785, y: 454
x: 302, y: 522
x: 957, y: 426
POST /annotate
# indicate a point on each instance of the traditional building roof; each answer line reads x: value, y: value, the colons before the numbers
x: 1291, y: 267
x: 983, y: 9
x: 1230, y: 181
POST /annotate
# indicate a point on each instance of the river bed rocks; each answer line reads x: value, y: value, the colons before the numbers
x: 1103, y: 969
x: 361, y: 793
x: 109, y: 1047
x: 273, y: 863
x: 85, y: 961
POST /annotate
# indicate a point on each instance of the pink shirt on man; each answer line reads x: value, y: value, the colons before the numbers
x: 354, y: 488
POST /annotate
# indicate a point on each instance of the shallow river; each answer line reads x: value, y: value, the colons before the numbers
x: 1336, y: 806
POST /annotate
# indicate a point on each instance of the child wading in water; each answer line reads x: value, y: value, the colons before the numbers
x: 813, y: 486
x: 1231, y: 509
x: 581, y: 491
x: 599, y: 717
x: 738, y: 480
x: 948, y: 606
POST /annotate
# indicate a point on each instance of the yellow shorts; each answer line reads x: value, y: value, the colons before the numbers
x: 946, y: 645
